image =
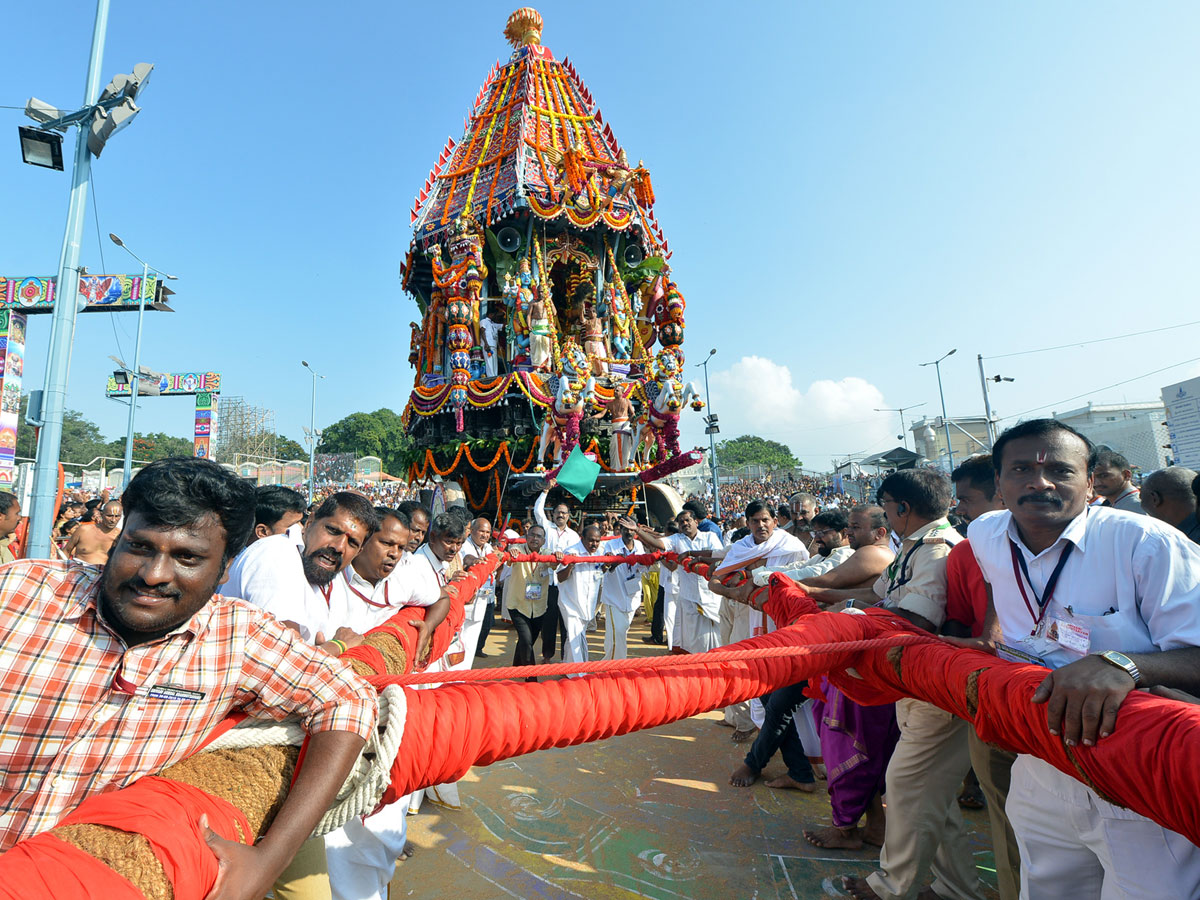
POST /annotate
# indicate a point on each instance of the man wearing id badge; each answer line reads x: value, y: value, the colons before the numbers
x: 1109, y: 601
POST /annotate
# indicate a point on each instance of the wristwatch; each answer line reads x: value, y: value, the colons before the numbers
x: 1121, y: 661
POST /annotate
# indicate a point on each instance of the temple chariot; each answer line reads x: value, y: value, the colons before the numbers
x: 549, y: 318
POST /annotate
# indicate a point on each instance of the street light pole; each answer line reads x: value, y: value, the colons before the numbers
x: 312, y: 434
x: 937, y: 364
x: 135, y: 375
x: 712, y: 442
x: 901, y: 410
x: 62, y: 329
x: 987, y: 401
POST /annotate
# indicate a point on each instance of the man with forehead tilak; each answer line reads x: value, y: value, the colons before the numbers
x: 1110, y: 602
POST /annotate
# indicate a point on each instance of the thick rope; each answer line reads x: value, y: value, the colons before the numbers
x: 369, y: 777
x: 711, y: 657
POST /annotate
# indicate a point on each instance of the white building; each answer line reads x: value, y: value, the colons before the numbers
x: 968, y: 436
x: 1138, y: 431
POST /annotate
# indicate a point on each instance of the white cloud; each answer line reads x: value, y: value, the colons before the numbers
x: 759, y: 396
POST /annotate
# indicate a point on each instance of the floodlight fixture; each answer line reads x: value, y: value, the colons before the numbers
x: 41, y: 148
x: 106, y: 123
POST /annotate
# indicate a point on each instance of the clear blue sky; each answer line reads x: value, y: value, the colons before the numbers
x: 849, y: 189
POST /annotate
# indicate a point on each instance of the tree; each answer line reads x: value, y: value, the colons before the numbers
x: 150, y: 447
x: 286, y: 448
x: 380, y: 433
x: 752, y: 450
x: 81, y: 439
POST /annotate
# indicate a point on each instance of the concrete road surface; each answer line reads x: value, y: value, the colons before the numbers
x: 647, y: 815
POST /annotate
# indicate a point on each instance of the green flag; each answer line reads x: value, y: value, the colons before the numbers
x: 578, y: 474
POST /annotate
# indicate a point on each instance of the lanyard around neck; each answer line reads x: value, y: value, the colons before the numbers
x: 364, y: 598
x: 1021, y: 574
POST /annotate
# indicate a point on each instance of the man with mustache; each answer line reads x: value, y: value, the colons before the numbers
x: 377, y: 583
x: 1109, y: 602
x: 148, y: 629
x: 362, y: 854
x: 560, y: 537
x: 924, y: 832
x: 295, y: 584
x: 418, y: 527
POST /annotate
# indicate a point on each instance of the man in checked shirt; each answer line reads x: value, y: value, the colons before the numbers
x: 109, y: 674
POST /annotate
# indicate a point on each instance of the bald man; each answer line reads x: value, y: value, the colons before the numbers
x: 91, y: 541
x: 1167, y: 496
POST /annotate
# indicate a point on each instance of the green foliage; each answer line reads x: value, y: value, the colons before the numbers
x: 81, y: 439
x: 380, y: 433
x: 752, y: 450
x: 286, y: 448
x: 149, y: 447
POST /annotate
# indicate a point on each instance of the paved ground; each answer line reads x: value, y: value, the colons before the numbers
x: 645, y: 815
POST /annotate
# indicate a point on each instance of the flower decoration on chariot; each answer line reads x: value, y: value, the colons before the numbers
x: 666, y: 365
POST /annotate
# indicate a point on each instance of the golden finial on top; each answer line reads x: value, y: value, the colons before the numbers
x: 524, y: 27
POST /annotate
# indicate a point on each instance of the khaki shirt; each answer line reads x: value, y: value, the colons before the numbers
x: 916, y: 580
x: 527, y: 588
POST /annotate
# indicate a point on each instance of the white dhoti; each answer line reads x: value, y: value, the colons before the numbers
x: 362, y: 853
x: 698, y: 633
x: 735, y: 626
x: 672, y: 621
x: 1074, y: 843
x: 465, y: 643
x: 620, y: 447
x: 616, y: 632
x: 575, y: 647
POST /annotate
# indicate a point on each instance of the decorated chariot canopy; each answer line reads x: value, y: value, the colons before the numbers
x: 543, y: 279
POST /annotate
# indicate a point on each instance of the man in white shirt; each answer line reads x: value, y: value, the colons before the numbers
x: 378, y: 583
x: 578, y: 594
x: 362, y: 853
x: 925, y: 833
x: 559, y: 537
x: 1110, y: 602
x: 276, y: 510
x: 1112, y: 481
x: 482, y: 607
x: 432, y: 566
x: 699, y: 608
x: 766, y: 544
x: 621, y: 590
x: 780, y: 707
x: 294, y: 584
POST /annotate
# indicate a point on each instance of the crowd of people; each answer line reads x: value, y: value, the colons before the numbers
x: 1044, y: 551
x: 736, y: 494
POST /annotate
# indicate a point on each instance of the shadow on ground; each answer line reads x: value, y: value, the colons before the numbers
x: 645, y: 815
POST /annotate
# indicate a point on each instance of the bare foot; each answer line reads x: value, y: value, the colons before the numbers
x: 858, y: 888
x: 406, y: 853
x: 740, y: 737
x: 787, y: 782
x: 834, y: 838
x: 743, y: 776
x: 724, y: 724
x: 872, y: 836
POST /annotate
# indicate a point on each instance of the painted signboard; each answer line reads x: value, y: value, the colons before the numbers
x: 205, y: 386
x: 173, y: 384
x: 12, y: 366
x: 1182, y: 401
x: 32, y: 294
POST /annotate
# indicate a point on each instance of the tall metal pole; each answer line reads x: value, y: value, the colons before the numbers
x: 312, y: 434
x: 712, y: 447
x: 945, y: 419
x: 62, y: 331
x: 987, y: 404
x: 134, y: 378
